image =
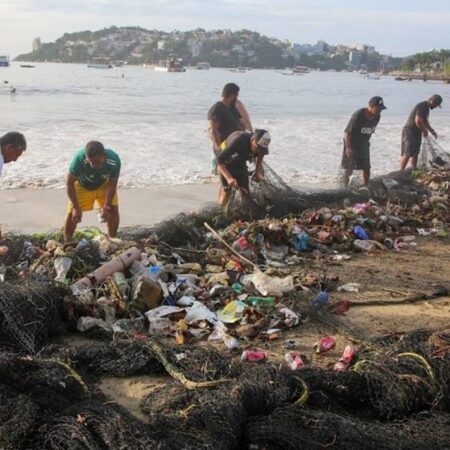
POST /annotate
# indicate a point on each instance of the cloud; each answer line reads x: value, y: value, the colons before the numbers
x: 393, y: 26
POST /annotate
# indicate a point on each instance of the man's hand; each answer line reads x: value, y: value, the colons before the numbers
x: 106, y: 212
x: 257, y: 177
x: 77, y: 214
x: 232, y: 182
x: 425, y: 133
x: 434, y: 134
x: 349, y: 152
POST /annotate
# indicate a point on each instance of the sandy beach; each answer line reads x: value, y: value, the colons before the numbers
x: 33, y: 211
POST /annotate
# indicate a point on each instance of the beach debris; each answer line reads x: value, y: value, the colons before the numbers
x: 294, y: 360
x: 325, y: 344
x: 254, y: 356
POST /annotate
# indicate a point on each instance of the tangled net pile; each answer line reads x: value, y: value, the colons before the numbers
x: 396, y: 395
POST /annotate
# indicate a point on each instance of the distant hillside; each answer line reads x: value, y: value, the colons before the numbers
x: 437, y: 61
x: 136, y: 45
x: 221, y: 48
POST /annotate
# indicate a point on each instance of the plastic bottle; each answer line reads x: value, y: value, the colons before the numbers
x: 62, y: 266
x: 255, y: 301
x: 364, y: 245
x: 154, y: 272
x: 122, y: 284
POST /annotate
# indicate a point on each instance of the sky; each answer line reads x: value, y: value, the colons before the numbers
x: 394, y: 27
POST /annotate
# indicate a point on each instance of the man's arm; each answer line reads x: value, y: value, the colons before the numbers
x: 213, y: 129
x: 71, y: 193
x: 430, y: 129
x: 259, y: 171
x: 245, y: 117
x: 223, y: 170
x: 348, y: 144
x: 422, y: 125
x: 111, y: 190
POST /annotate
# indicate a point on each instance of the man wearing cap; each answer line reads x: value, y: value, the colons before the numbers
x: 92, y: 180
x: 356, y: 155
x: 236, y: 150
x: 416, y: 127
x: 12, y: 145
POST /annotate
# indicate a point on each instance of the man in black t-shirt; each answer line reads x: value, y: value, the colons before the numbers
x: 224, y: 117
x: 416, y: 126
x: 356, y: 155
x: 236, y: 150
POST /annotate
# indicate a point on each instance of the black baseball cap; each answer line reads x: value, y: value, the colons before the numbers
x: 377, y: 101
x: 437, y: 99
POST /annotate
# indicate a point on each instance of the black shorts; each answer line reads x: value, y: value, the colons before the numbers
x: 411, y: 142
x: 241, y: 176
x: 359, y: 161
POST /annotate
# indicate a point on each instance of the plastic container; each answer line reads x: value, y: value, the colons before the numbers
x: 254, y: 356
x: 62, y: 266
x: 159, y: 327
x: 294, y: 360
x: 122, y: 284
x: 348, y: 355
x: 326, y: 344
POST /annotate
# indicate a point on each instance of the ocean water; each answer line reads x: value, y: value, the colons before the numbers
x: 157, y: 121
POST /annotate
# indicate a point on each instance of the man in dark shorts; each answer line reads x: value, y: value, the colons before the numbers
x: 356, y: 155
x: 236, y: 150
x: 416, y: 127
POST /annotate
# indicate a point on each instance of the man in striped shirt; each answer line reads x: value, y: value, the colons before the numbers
x: 92, y: 180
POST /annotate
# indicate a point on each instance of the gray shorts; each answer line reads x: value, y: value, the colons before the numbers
x: 411, y: 141
x: 359, y: 161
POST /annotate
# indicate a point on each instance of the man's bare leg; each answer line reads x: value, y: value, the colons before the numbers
x: 404, y: 162
x: 69, y: 227
x: 113, y: 221
x: 224, y: 196
x: 414, y: 160
x: 366, y: 177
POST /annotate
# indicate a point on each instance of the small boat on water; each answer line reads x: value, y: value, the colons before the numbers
x: 27, y: 66
x: 100, y: 66
x: 371, y: 77
x: 238, y: 70
x: 4, y: 60
x: 400, y: 79
x: 203, y: 66
x: 171, y: 65
x: 300, y: 69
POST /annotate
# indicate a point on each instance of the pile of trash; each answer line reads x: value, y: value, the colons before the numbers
x: 198, y: 297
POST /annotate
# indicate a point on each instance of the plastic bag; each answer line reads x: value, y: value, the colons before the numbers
x: 269, y: 285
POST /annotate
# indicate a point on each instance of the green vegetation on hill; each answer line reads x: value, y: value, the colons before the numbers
x: 221, y: 48
x: 437, y: 61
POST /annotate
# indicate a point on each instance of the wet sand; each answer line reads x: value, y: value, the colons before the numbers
x: 33, y: 211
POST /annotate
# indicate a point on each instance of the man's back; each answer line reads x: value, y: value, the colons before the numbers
x: 422, y: 110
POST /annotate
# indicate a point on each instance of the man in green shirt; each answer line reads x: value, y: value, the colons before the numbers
x: 92, y: 179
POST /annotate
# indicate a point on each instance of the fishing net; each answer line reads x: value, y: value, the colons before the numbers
x: 293, y: 427
x: 432, y: 155
x: 31, y: 312
x: 126, y: 358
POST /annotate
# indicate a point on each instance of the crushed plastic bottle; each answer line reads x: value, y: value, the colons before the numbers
x: 62, y: 266
x: 154, y: 272
x: 326, y: 344
x: 254, y: 356
x: 348, y: 354
x: 360, y: 233
x: 320, y: 300
x: 294, y: 360
x: 364, y: 245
